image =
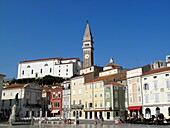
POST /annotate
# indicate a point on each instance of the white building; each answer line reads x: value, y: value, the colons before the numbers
x: 156, y: 92
x: 27, y: 98
x: 58, y: 67
x: 66, y: 101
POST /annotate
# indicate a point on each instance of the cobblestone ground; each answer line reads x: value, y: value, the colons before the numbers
x: 84, y: 126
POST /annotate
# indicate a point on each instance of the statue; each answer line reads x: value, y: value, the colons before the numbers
x: 12, y: 115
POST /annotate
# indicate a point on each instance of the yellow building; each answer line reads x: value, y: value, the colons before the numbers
x: 94, y: 100
x: 77, y: 97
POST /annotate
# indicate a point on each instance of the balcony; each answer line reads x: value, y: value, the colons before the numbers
x: 32, y: 105
x: 77, y: 106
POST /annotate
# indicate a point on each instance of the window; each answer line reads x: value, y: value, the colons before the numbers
x: 74, y: 113
x: 107, y: 88
x: 156, y: 97
x: 139, y: 99
x: 138, y: 88
x: 45, y: 64
x: 4, y: 94
x: 107, y: 94
x: 145, y: 78
x: 166, y: 74
x: 66, y: 70
x: 95, y: 104
x: 58, y: 70
x: 146, y: 86
x: 116, y: 94
x: 168, y: 83
x: 28, y: 66
x: 40, y: 70
x: 101, y: 94
x: 80, y: 114
x: 147, y: 98
x: 32, y: 71
x: 56, y: 104
x: 23, y: 72
x: 53, y: 95
x: 90, y: 105
x: 101, y: 104
x: 95, y: 94
x: 59, y: 95
x: 50, y: 70
x: 168, y: 97
x: 155, y: 85
x: 154, y: 77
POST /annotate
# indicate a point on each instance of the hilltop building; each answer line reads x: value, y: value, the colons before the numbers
x: 58, y: 67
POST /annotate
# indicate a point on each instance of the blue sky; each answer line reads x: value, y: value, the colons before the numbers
x: 133, y: 32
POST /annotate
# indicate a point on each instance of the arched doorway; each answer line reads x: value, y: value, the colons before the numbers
x: 147, y: 113
x: 157, y: 111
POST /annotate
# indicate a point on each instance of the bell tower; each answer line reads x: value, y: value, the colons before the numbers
x: 87, y: 47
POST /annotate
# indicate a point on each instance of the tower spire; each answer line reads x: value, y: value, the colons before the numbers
x: 87, y: 33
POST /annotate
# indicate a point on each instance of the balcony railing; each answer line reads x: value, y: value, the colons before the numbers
x: 77, y: 106
x: 32, y: 105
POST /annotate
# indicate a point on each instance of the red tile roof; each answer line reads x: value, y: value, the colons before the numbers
x: 114, y: 83
x: 43, y: 59
x: 2, y: 75
x: 157, y: 70
x: 99, y: 78
x: 15, y: 86
x: 122, y: 78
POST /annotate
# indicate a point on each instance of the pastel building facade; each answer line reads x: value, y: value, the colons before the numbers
x: 77, y: 97
x: 58, y: 67
x: 66, y: 102
x: 156, y: 92
x: 134, y: 82
x: 27, y: 98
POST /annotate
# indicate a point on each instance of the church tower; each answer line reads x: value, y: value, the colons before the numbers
x: 87, y: 47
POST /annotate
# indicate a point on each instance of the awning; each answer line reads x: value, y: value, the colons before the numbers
x: 134, y: 107
x: 54, y: 111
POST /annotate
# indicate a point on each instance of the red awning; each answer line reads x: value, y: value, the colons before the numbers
x: 134, y: 107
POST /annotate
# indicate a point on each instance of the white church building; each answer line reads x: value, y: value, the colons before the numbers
x: 58, y: 67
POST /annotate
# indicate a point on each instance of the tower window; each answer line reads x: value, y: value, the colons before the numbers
x: 50, y: 70
x: 32, y: 72
x: 86, y: 44
x: 23, y: 72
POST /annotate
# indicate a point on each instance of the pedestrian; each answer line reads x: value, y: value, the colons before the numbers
x: 95, y: 120
x: 102, y: 120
